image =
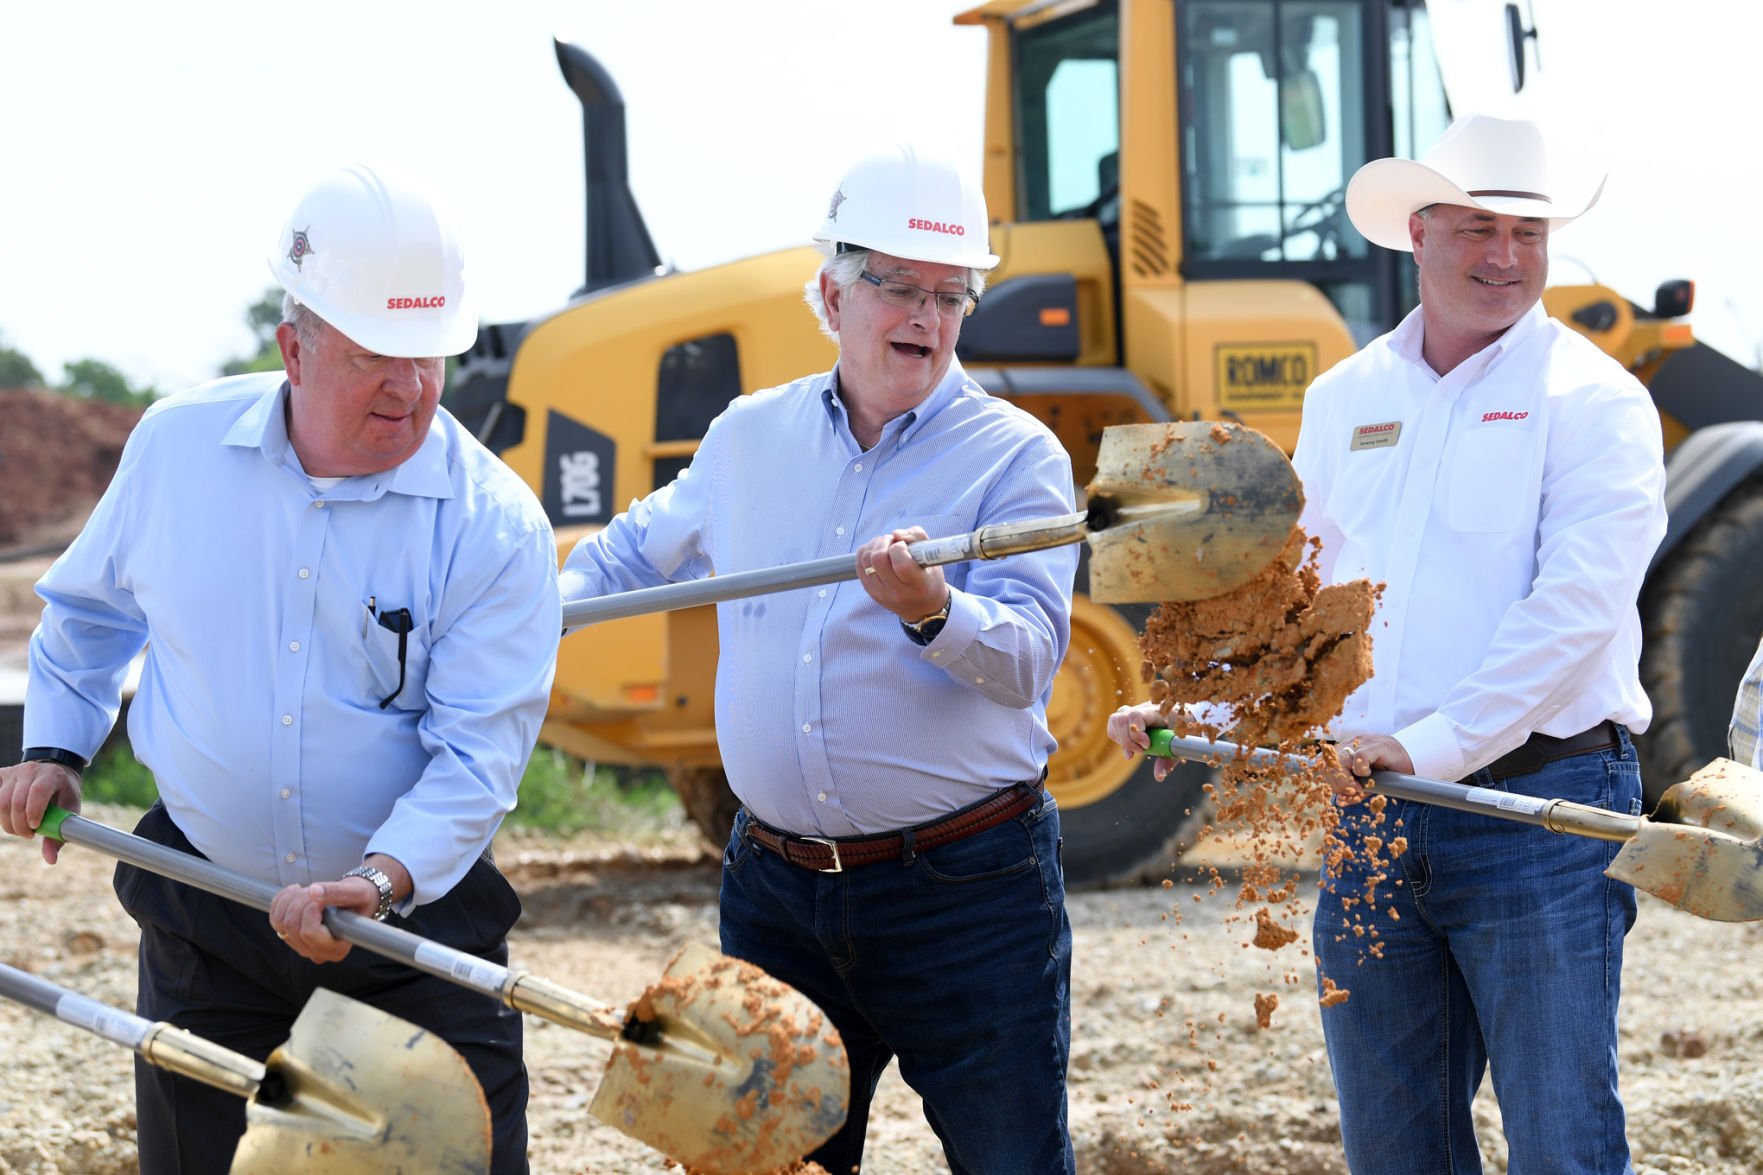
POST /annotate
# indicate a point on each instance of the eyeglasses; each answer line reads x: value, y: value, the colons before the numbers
x: 910, y: 297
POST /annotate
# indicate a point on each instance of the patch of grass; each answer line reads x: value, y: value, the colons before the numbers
x: 117, y: 777
x: 558, y: 794
x: 562, y: 794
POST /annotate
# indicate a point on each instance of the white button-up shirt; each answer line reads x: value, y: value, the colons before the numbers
x: 1510, y: 508
x: 258, y: 597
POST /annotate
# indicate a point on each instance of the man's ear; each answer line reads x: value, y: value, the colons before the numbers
x: 1416, y: 232
x: 833, y: 298
x: 287, y: 341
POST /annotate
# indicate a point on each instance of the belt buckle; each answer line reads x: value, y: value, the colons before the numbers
x: 838, y: 865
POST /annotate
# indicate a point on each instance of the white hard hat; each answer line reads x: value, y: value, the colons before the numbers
x: 911, y: 206
x: 375, y: 256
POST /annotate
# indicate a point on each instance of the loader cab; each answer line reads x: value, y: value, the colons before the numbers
x: 1272, y: 107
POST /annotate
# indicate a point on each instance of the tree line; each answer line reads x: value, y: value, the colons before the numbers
x: 94, y: 379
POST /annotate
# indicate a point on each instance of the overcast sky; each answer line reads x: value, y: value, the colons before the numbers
x: 150, y: 151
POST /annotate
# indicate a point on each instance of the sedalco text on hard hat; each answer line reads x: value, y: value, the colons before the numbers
x: 377, y: 257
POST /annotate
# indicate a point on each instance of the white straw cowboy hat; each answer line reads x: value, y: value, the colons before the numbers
x: 1499, y: 165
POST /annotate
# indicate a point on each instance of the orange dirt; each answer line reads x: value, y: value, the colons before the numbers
x: 57, y: 454
x: 1283, y: 653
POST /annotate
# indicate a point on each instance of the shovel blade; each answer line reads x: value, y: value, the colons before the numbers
x: 1700, y: 850
x: 742, y: 1074
x: 1198, y: 508
x: 365, y: 1092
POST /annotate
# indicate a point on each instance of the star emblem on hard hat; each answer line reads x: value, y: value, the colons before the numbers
x: 832, y: 212
x: 302, y: 246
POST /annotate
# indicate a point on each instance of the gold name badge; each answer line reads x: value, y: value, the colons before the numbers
x: 1376, y: 436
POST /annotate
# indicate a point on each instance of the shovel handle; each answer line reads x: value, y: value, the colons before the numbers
x: 157, y: 1042
x: 988, y: 542
x: 516, y: 989
x: 1563, y: 816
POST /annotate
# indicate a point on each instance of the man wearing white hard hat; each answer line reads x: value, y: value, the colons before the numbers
x: 896, y: 858
x: 1503, y: 478
x: 350, y: 616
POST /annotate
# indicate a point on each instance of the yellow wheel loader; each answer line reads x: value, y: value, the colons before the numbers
x: 1167, y: 178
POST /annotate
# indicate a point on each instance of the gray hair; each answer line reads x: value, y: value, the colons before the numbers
x: 302, y: 318
x: 845, y: 269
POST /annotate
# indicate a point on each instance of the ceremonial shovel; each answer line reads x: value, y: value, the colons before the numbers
x: 1181, y: 511
x: 1700, y: 850
x: 718, y: 1066
x: 352, y: 1092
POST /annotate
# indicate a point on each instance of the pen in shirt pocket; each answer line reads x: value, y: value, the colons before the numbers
x: 400, y: 622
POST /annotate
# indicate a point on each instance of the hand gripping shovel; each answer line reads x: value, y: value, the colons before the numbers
x: 1700, y: 851
x: 1182, y: 511
x: 718, y: 1065
x: 352, y: 1092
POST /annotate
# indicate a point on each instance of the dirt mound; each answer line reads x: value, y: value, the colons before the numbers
x: 57, y: 454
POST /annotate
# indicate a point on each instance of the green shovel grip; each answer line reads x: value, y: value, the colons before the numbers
x: 53, y: 816
x: 1159, y: 748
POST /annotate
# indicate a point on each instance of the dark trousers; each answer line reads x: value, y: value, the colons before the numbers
x: 215, y: 968
x: 957, y: 961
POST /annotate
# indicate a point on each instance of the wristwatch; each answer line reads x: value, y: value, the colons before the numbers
x: 923, y: 632
x: 382, y: 881
x: 67, y: 759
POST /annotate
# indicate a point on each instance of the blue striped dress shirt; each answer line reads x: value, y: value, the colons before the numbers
x: 259, y: 707
x: 831, y: 721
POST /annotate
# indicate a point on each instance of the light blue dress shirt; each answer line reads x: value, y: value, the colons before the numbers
x: 256, y: 595
x: 831, y: 721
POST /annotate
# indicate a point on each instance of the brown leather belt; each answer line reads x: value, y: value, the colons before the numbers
x: 826, y: 854
x: 1540, y: 749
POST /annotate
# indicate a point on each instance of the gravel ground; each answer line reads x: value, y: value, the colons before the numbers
x: 1170, y: 1072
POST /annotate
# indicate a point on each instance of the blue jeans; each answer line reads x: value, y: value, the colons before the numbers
x: 957, y: 960
x: 1504, y: 953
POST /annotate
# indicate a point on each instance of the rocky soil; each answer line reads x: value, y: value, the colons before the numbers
x: 1170, y: 1072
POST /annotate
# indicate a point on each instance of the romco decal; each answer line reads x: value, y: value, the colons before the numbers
x: 1264, y: 377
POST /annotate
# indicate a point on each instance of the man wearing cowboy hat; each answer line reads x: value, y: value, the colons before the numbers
x: 1503, y: 478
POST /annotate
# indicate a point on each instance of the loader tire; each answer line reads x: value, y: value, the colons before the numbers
x: 1701, y: 617
x: 704, y: 794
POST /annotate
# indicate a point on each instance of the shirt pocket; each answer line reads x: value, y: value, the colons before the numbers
x: 1489, y: 486
x: 379, y: 674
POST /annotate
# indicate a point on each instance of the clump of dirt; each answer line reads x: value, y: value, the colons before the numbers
x: 57, y: 455
x: 1281, y: 651
x: 1267, y: 666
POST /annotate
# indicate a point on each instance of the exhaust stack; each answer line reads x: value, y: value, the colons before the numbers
x: 619, y: 249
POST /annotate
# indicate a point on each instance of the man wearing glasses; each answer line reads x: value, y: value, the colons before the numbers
x: 896, y: 857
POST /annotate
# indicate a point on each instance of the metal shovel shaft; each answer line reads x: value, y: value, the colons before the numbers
x: 160, y: 1044
x: 757, y: 1079
x: 525, y: 993
x: 988, y: 542
x: 1563, y: 816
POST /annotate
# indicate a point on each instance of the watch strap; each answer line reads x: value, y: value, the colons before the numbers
x: 380, y: 881
x: 923, y: 632
x: 66, y: 758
